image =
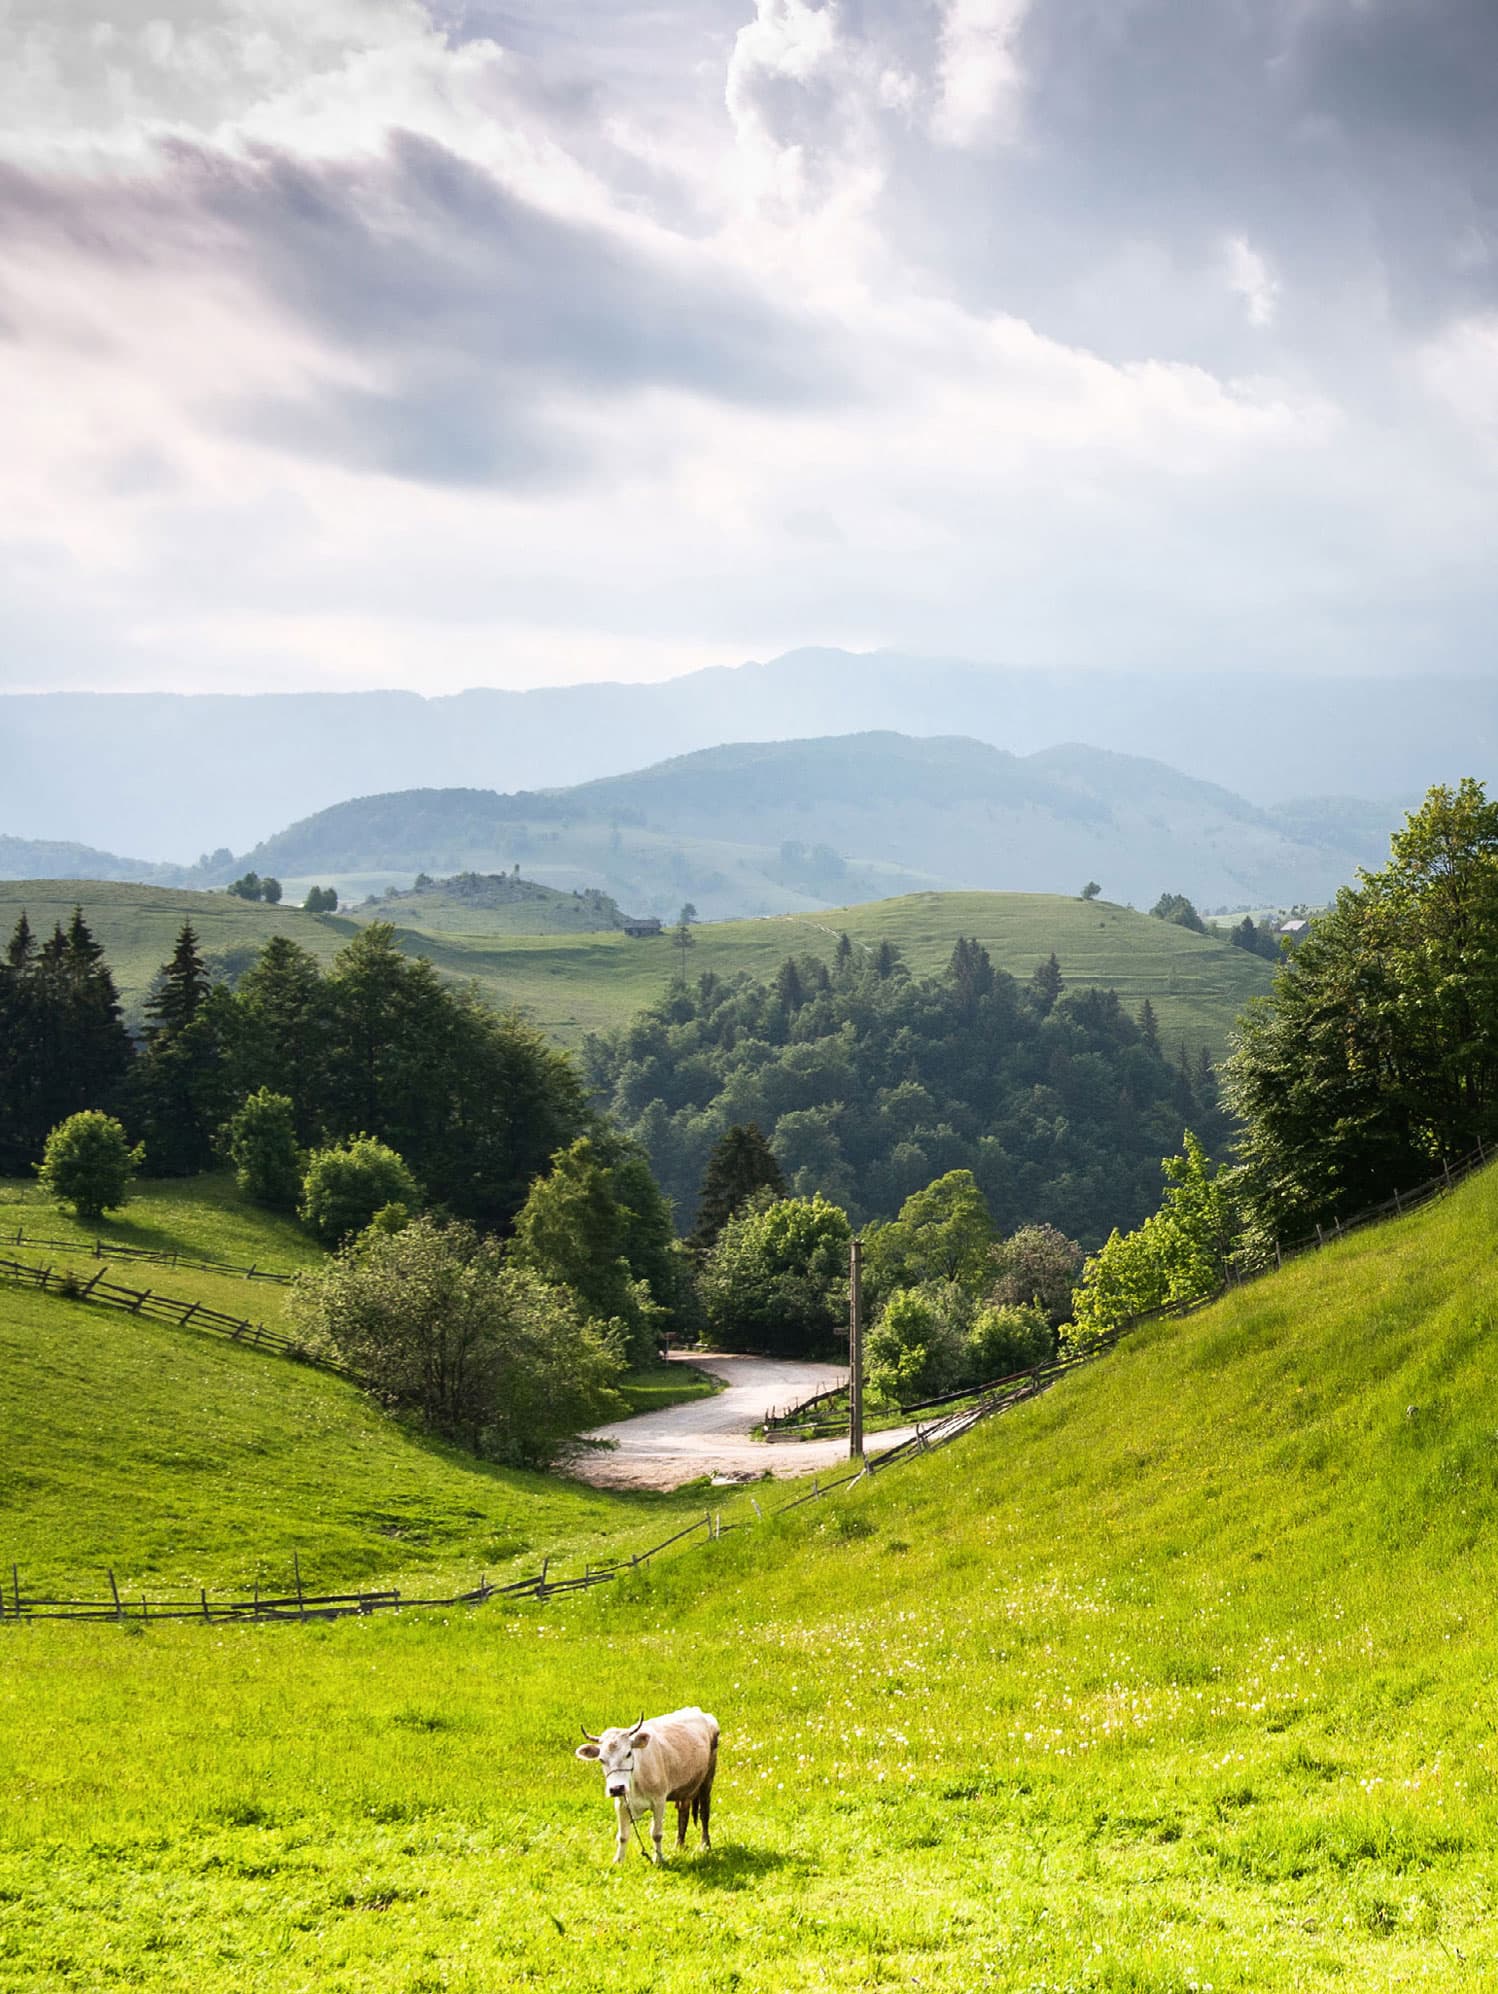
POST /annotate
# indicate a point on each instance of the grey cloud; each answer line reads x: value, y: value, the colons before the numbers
x: 480, y: 312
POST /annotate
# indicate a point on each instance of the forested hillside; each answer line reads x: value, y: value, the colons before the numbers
x: 870, y: 1082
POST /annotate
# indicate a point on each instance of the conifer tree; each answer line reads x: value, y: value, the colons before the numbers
x: 742, y: 1164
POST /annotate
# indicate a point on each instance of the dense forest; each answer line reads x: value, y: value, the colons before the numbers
x: 870, y: 1082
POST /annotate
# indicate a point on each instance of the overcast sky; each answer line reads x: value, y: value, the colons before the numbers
x: 366, y: 342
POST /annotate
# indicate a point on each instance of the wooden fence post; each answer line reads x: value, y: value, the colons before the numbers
x: 119, y: 1611
x: 300, y: 1604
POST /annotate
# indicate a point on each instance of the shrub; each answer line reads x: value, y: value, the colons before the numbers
x: 435, y: 1321
x: 346, y: 1184
x: 261, y: 1140
x: 88, y: 1163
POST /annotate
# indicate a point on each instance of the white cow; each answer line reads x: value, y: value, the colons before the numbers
x: 670, y: 1758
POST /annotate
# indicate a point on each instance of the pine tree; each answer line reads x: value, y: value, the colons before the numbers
x: 742, y: 1164
x: 1045, y: 984
x: 180, y: 1089
x: 1149, y: 1025
x: 181, y: 986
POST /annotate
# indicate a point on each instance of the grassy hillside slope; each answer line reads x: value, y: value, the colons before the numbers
x: 138, y: 924
x: 179, y: 1460
x: 576, y: 984
x: 1179, y: 1678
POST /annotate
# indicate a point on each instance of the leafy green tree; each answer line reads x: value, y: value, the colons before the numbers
x: 1091, y: 890
x: 247, y: 887
x: 270, y: 892
x: 88, y: 1163
x: 1177, y: 909
x: 917, y: 1347
x: 576, y: 1229
x: 1037, y: 1266
x: 742, y: 1164
x: 1179, y: 1255
x: 1007, y: 1337
x: 776, y: 1280
x: 944, y: 1233
x: 435, y: 1321
x: 347, y: 1183
x: 1376, y: 1053
x: 261, y: 1139
x: 321, y: 900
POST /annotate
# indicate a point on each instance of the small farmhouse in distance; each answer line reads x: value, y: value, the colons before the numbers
x: 639, y: 928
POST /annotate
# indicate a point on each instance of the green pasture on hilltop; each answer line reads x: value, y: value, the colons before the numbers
x: 138, y: 925
x: 576, y: 983
x: 579, y: 983
x: 1178, y: 1678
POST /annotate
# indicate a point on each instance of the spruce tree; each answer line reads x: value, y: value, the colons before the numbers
x: 742, y: 1164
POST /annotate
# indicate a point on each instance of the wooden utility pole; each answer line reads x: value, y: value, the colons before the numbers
x: 855, y: 1350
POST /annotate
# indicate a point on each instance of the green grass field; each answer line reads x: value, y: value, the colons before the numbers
x: 179, y: 1461
x: 574, y: 984
x: 1179, y: 1678
x: 138, y: 925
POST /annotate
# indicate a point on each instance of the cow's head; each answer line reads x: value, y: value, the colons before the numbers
x: 615, y: 1751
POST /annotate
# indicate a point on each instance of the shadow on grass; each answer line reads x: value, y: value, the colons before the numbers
x: 734, y: 1866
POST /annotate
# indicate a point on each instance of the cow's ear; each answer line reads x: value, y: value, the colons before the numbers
x: 587, y: 1751
x: 641, y: 1738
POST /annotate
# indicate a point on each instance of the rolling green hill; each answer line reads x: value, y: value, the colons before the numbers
x: 572, y: 984
x: 179, y: 1460
x: 1177, y: 1678
x: 767, y: 827
x: 138, y: 925
x: 492, y: 904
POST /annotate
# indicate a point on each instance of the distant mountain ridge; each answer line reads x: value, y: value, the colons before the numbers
x: 148, y: 771
x: 776, y: 827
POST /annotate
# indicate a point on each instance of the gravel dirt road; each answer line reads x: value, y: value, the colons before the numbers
x: 661, y: 1450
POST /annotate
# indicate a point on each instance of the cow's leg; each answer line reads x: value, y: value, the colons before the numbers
x: 683, y: 1815
x: 704, y: 1809
x: 657, y: 1824
x: 621, y: 1816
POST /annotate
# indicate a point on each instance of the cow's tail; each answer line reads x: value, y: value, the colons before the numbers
x: 702, y: 1799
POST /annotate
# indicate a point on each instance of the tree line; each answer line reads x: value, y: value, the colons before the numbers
x: 870, y: 1082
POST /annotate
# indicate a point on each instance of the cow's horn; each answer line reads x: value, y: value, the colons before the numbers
x: 637, y: 1723
x: 592, y: 1740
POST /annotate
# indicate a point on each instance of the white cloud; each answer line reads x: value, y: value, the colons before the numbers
x: 1250, y: 278
x: 980, y: 78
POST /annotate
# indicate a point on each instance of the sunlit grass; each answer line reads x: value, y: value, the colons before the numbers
x: 1179, y: 1677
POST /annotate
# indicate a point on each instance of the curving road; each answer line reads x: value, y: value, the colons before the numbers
x: 661, y: 1450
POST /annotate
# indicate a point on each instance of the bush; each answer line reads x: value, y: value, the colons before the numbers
x: 260, y: 1138
x: 1036, y: 1265
x: 435, y: 1321
x: 345, y: 1186
x: 88, y: 1163
x: 1007, y: 1337
x: 918, y: 1347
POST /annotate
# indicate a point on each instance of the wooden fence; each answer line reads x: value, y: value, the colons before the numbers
x: 164, y: 1308
x: 108, y: 1249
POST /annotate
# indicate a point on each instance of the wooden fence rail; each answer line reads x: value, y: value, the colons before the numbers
x: 108, y: 1249
x: 164, y: 1308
